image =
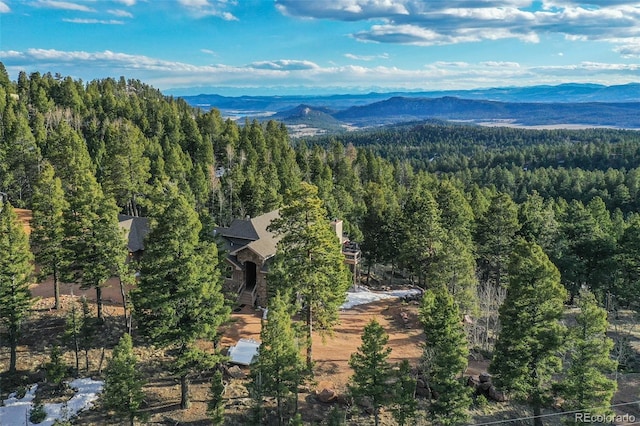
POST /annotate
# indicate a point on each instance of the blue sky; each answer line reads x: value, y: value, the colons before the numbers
x: 318, y: 46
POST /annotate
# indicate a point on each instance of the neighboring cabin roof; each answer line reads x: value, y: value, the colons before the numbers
x: 252, y: 234
x: 136, y: 229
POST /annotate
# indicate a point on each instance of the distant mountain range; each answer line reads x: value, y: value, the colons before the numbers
x: 567, y: 105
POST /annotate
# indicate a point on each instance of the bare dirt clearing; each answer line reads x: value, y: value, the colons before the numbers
x: 331, y: 354
x: 331, y: 357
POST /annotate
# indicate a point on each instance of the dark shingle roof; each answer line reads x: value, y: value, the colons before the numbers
x: 136, y: 229
x: 252, y: 234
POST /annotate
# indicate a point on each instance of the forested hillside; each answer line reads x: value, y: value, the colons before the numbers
x: 576, y: 191
x: 571, y: 164
x: 472, y: 210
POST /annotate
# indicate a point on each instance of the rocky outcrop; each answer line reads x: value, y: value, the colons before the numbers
x: 484, y: 386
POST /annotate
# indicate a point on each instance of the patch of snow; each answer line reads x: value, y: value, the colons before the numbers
x: 363, y: 296
x: 15, y: 412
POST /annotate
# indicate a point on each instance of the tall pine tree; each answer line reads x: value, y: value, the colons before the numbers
x: 215, y: 405
x: 179, y: 297
x: 404, y: 402
x: 16, y: 270
x: 47, y: 227
x: 527, y: 351
x: 423, y: 234
x: 495, y: 233
x: 312, y: 260
x: 93, y: 241
x: 279, y: 369
x: 371, y: 368
x: 123, y: 383
x: 445, y: 357
x: 586, y: 386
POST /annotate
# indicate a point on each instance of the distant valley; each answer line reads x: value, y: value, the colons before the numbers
x: 567, y: 105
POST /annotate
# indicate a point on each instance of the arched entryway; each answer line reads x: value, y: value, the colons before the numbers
x: 250, y: 275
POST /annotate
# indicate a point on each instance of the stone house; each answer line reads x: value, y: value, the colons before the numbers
x: 250, y: 248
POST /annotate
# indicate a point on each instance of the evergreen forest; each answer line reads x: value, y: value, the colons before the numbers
x: 532, y: 237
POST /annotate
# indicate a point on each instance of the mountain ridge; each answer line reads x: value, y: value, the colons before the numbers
x: 589, y: 105
x: 566, y: 92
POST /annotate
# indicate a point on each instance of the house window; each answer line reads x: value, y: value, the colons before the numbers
x: 228, y: 271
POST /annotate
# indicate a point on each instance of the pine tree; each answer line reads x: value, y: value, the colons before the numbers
x: 179, y: 297
x: 105, y: 249
x: 5, y: 81
x: 312, y: 260
x: 123, y: 383
x: 73, y: 327
x: 381, y: 208
x: 93, y: 241
x: 495, y: 233
x: 453, y: 267
x: 587, y: 258
x: 371, y: 370
x: 19, y: 152
x: 404, y: 402
x: 586, y: 387
x: 279, y: 368
x: 16, y: 270
x: 423, y: 234
x: 539, y: 223
x: 47, y: 227
x: 527, y: 351
x: 445, y: 357
x: 215, y: 405
x: 628, y: 259
x: 125, y: 169
x: 87, y: 331
x: 55, y: 369
x: 456, y: 215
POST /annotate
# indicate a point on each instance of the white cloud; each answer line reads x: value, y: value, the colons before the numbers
x: 227, y: 16
x: 422, y: 36
x: 426, y: 23
x: 194, y: 3
x: 287, y: 73
x: 209, y: 52
x: 451, y: 64
x: 127, y: 2
x: 93, y: 21
x: 202, y: 8
x: 120, y: 13
x: 4, y: 8
x: 63, y: 5
x: 500, y: 64
x: 629, y: 51
x: 346, y: 10
x: 284, y: 65
x: 548, y: 4
x: 366, y: 57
